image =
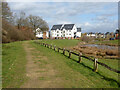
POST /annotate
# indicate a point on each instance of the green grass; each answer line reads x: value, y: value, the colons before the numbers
x: 71, y: 73
x: 113, y: 42
x: 61, y: 42
x: 70, y: 43
x: 13, y: 65
x: 75, y: 75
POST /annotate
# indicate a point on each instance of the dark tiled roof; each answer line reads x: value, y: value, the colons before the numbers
x: 56, y: 27
x: 78, y: 29
x: 91, y: 33
x: 107, y: 33
x: 68, y: 26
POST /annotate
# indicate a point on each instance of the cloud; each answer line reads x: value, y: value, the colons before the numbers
x: 91, y: 16
x: 99, y: 27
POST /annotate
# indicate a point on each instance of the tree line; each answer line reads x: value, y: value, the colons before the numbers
x: 19, y: 26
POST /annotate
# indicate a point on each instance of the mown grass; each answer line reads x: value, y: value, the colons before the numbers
x: 110, y: 42
x: 61, y: 42
x: 13, y: 65
x: 70, y: 43
x: 75, y: 75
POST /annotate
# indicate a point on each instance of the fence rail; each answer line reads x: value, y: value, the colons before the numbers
x: 95, y: 60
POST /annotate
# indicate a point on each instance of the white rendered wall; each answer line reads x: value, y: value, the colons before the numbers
x: 47, y: 34
x: 78, y: 34
x: 39, y: 34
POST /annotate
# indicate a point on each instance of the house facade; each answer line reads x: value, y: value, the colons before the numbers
x: 91, y: 34
x: 42, y: 34
x: 64, y: 31
x: 100, y: 35
x: 78, y: 33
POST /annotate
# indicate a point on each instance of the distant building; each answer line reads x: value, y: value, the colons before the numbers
x: 42, y: 34
x: 91, y: 34
x: 64, y: 31
x: 117, y: 34
x: 100, y: 35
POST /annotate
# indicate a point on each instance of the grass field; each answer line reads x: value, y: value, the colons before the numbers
x: 86, y: 67
x: 111, y: 42
x: 13, y: 65
x: 61, y: 42
x: 70, y: 73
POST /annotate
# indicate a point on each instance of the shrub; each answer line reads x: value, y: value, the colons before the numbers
x: 87, y: 39
x: 10, y: 33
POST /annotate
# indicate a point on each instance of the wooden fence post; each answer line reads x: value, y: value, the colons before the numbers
x: 58, y: 49
x: 51, y: 46
x: 54, y: 47
x: 69, y: 53
x: 80, y: 58
x: 63, y: 51
x: 95, y: 65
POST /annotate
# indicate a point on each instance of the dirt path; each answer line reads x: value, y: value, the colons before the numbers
x: 40, y: 73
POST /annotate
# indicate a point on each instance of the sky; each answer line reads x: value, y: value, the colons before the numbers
x: 90, y: 16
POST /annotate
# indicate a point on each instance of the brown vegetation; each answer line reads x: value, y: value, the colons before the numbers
x: 20, y: 27
x: 10, y: 33
x: 87, y: 39
x: 94, y: 51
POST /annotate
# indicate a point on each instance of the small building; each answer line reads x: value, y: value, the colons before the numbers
x: 91, y: 34
x: 117, y: 34
x: 42, y: 34
x: 100, y: 35
x: 78, y: 33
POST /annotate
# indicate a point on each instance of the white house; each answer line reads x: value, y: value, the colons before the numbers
x: 64, y: 31
x: 42, y: 34
x: 91, y: 34
x: 78, y: 33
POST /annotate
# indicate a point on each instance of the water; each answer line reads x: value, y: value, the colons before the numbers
x: 101, y: 46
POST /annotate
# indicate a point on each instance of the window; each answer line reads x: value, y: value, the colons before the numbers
x: 69, y: 30
x: 63, y: 31
x: 57, y: 31
x: 69, y: 34
x: 57, y: 34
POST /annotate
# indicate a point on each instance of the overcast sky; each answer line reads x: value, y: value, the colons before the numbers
x: 90, y: 16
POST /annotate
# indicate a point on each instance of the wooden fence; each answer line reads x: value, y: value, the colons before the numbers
x: 80, y: 55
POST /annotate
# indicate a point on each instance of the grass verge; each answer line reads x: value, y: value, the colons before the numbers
x: 61, y: 42
x: 13, y: 65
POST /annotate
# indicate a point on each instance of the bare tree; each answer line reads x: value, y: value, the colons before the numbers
x: 21, y: 20
x: 37, y: 22
x: 6, y: 13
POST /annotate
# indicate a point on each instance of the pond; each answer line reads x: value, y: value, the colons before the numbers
x: 101, y: 46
